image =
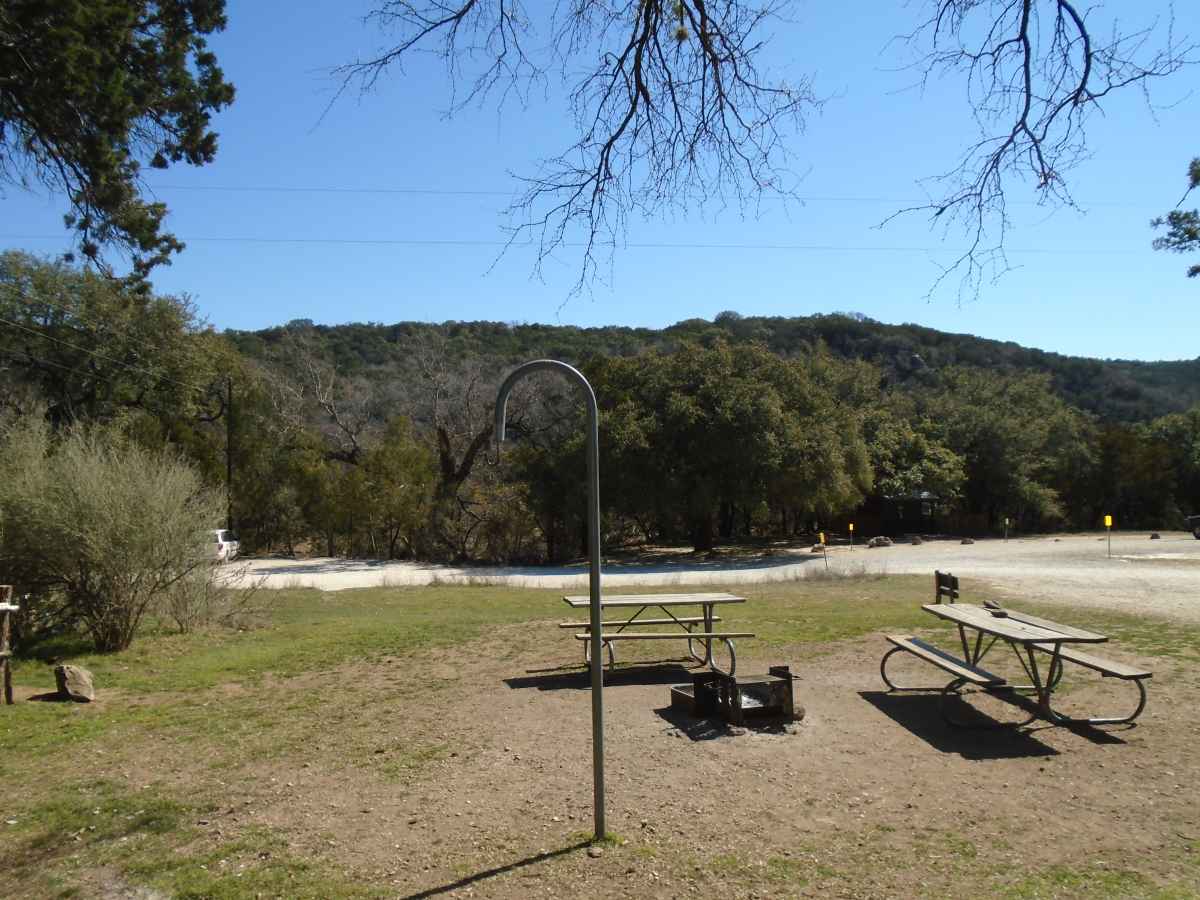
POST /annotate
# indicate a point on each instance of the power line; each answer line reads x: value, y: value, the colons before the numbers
x: 444, y: 192
x: 99, y: 355
x: 632, y: 245
x: 97, y: 327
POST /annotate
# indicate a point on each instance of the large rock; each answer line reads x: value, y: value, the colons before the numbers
x: 75, y: 683
x: 880, y: 541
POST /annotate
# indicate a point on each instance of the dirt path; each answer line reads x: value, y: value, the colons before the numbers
x: 871, y: 795
x: 1160, y: 577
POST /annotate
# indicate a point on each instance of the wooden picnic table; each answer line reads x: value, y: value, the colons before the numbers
x: 667, y: 604
x: 1030, y: 637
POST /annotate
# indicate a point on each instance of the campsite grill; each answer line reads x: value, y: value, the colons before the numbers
x: 735, y: 698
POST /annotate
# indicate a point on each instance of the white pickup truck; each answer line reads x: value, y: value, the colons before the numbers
x: 227, y: 545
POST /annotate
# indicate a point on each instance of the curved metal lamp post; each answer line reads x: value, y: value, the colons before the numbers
x: 593, y: 514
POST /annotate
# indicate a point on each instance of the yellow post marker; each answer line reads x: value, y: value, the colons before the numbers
x: 851, y: 535
x: 823, y: 553
x: 1108, y: 527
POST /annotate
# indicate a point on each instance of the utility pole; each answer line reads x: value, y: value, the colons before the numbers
x: 229, y: 452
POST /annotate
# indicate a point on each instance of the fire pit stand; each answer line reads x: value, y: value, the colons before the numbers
x: 735, y: 698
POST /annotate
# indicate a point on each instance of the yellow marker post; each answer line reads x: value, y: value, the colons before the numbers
x: 1108, y: 527
x: 823, y: 553
x: 851, y: 535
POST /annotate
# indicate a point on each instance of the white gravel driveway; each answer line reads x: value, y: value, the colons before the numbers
x: 1162, y: 576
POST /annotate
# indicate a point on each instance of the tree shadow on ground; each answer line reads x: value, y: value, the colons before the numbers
x: 577, y: 678
x: 469, y: 880
x: 921, y: 715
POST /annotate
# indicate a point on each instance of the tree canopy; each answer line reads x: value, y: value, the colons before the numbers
x: 89, y: 91
x: 1183, y: 225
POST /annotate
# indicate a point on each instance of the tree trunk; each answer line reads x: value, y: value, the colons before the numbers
x: 726, y: 516
x: 701, y: 529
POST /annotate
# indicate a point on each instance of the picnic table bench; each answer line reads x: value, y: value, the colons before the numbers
x: 1030, y: 637
x: 666, y: 604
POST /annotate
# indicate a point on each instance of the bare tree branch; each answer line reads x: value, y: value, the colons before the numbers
x: 673, y: 112
x: 1034, y: 70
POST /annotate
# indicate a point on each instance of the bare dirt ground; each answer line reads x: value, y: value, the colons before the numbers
x: 872, y: 795
x: 1161, y: 577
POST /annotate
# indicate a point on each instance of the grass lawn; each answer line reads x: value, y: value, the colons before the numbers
x: 103, y: 799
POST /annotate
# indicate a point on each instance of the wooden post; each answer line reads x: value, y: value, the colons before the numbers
x: 6, y: 609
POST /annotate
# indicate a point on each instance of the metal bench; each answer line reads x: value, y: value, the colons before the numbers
x: 624, y: 623
x: 959, y: 668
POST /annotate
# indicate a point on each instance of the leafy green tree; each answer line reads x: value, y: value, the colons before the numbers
x: 702, y: 433
x: 1183, y: 226
x: 1180, y: 437
x: 399, y: 477
x: 93, y: 349
x: 1015, y: 438
x: 1134, y: 478
x: 91, y: 90
x: 908, y: 457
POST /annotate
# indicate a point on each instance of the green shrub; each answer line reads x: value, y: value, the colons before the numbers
x: 98, y: 529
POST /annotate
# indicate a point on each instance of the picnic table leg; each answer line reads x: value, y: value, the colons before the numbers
x: 587, y: 653
x: 952, y: 690
x: 732, y: 658
x: 1054, y: 676
x: 707, y: 612
x: 1060, y: 719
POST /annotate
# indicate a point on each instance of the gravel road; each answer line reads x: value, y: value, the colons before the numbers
x: 1162, y: 576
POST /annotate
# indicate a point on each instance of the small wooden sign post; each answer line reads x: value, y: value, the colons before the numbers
x: 851, y: 535
x: 7, y: 608
x: 1108, y: 528
x: 823, y: 553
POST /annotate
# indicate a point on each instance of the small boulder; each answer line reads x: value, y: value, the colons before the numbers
x: 916, y: 539
x: 75, y: 683
x: 880, y: 541
x: 1156, y: 536
x: 967, y: 541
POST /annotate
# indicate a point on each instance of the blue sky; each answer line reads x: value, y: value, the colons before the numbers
x: 341, y: 217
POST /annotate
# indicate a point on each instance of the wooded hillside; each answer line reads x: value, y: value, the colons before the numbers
x: 1112, y: 390
x: 376, y: 440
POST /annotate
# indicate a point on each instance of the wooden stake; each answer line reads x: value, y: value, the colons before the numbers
x: 5, y: 635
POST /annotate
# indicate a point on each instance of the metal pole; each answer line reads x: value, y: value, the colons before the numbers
x: 593, y: 513
x: 229, y: 453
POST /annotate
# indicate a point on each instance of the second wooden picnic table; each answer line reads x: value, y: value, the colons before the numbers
x: 979, y: 628
x: 626, y: 628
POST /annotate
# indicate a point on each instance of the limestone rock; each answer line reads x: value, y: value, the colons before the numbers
x: 75, y: 682
x: 967, y: 541
x: 880, y: 541
x: 916, y: 539
x: 1155, y: 536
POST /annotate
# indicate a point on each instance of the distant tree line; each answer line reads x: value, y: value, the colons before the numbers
x: 372, y: 440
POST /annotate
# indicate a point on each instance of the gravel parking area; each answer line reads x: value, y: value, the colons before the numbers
x: 1159, y: 576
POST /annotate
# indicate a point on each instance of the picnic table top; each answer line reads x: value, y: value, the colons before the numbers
x: 619, y: 600
x: 1015, y: 626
